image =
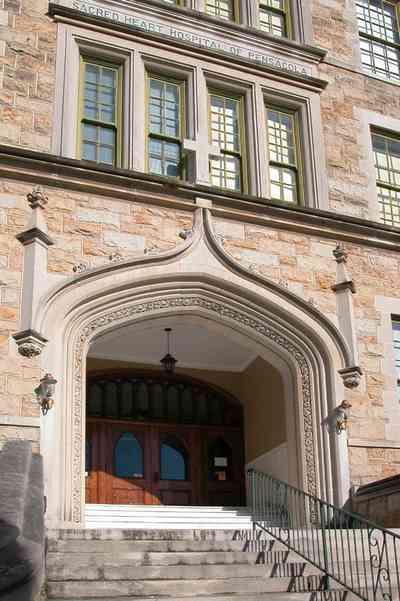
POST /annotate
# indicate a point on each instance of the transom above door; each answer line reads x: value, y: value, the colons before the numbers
x: 162, y: 440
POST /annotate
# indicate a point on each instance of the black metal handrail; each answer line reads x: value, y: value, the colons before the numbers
x: 351, y: 551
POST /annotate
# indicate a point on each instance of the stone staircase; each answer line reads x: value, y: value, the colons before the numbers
x: 158, y: 564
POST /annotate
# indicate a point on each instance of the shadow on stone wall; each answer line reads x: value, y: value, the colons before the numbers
x: 379, y: 502
x: 21, y: 522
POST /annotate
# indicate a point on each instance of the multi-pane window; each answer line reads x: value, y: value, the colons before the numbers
x: 226, y: 132
x: 379, y: 37
x: 274, y: 17
x: 99, y: 135
x: 283, y: 155
x: 387, y: 168
x: 396, y: 346
x: 165, y: 126
x: 224, y: 9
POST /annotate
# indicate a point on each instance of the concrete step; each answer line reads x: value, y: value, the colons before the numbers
x: 183, y: 509
x: 160, y: 534
x: 121, y: 570
x: 232, y: 596
x: 180, y: 588
x: 162, y: 546
x: 172, y: 558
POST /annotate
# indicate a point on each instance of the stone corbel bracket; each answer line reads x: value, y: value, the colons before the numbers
x: 36, y: 242
x: 344, y: 289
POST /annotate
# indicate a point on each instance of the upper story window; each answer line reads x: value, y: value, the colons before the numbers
x: 165, y: 118
x: 226, y: 132
x: 274, y: 17
x: 224, y: 9
x: 387, y: 168
x: 379, y: 37
x: 396, y: 347
x: 100, y: 113
x: 284, y: 155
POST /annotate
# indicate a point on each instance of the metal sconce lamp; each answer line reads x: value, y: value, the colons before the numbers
x: 168, y: 361
x: 342, y: 416
x: 45, y: 392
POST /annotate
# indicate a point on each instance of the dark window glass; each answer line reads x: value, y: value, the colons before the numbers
x: 111, y: 399
x: 174, y: 461
x: 88, y: 456
x: 95, y: 400
x: 128, y: 457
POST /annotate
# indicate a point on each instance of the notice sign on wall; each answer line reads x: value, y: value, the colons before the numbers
x: 190, y: 37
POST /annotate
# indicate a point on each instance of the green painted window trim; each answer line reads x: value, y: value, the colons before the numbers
x: 384, y: 41
x: 84, y: 60
x: 182, y: 120
x: 286, y: 13
x: 387, y: 186
x: 297, y: 167
x: 242, y: 154
x: 235, y: 8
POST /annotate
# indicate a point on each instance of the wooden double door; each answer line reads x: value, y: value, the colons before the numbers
x: 168, y: 464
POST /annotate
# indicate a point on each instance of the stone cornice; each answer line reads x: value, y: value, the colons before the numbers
x: 32, y: 235
x: 291, y: 51
x: 46, y: 169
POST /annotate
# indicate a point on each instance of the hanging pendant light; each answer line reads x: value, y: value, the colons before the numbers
x: 168, y: 361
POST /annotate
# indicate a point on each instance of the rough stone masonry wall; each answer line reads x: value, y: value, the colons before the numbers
x: 86, y: 230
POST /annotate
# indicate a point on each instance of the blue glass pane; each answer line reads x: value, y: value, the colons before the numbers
x: 128, y: 457
x: 173, y: 463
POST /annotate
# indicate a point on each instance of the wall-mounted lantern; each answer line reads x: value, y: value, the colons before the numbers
x: 45, y: 393
x: 342, y: 416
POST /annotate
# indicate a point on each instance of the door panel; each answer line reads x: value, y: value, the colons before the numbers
x: 224, y: 460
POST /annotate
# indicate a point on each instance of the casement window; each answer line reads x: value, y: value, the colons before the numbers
x: 387, y: 167
x: 165, y: 125
x: 396, y: 347
x: 100, y: 115
x: 283, y: 155
x: 224, y: 9
x: 379, y: 37
x: 274, y: 17
x: 227, y: 170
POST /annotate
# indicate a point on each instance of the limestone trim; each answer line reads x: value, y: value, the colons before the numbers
x: 198, y: 278
x: 17, y: 420
x: 49, y: 170
x: 389, y: 307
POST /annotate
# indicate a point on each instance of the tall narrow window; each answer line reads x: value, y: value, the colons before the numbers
x: 226, y: 132
x: 274, y: 17
x: 165, y: 126
x: 387, y: 168
x: 224, y: 9
x: 100, y: 128
x: 396, y: 346
x: 379, y: 37
x: 283, y: 155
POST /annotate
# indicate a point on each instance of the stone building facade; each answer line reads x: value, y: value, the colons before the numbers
x: 307, y: 283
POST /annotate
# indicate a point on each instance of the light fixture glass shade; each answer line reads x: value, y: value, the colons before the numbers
x: 168, y: 362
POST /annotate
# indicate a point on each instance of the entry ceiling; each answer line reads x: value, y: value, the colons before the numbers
x: 194, y: 343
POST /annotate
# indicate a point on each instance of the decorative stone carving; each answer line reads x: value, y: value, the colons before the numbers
x: 115, y: 257
x: 264, y: 326
x: 37, y: 199
x: 340, y: 253
x: 30, y: 343
x: 186, y: 234
x: 351, y: 376
x: 151, y: 250
x: 80, y: 268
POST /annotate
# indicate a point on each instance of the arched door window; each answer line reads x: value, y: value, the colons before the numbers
x: 173, y: 460
x: 219, y: 461
x: 128, y: 457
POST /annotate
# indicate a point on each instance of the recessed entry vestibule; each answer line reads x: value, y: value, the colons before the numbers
x: 156, y: 438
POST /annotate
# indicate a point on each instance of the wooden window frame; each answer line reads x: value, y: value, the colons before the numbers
x: 396, y: 326
x: 383, y: 41
x: 85, y: 59
x: 242, y: 155
x: 298, y: 169
x: 236, y: 12
x: 380, y: 184
x: 286, y: 13
x: 181, y: 83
